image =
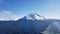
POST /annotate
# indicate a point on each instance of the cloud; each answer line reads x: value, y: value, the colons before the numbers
x: 8, y: 15
x: 6, y: 12
x: 10, y: 18
x: 2, y: 19
x: 3, y: 2
x: 15, y: 17
x: 52, y: 17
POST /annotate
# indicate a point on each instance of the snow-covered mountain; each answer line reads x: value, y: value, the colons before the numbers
x: 30, y: 24
x: 33, y: 16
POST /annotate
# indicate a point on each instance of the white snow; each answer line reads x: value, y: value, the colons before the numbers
x: 34, y: 17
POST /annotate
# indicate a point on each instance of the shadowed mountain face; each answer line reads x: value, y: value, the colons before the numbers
x: 22, y: 27
x: 25, y: 26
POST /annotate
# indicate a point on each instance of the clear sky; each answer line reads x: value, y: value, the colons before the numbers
x: 14, y: 9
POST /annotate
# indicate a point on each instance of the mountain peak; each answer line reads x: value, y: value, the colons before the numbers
x: 33, y: 16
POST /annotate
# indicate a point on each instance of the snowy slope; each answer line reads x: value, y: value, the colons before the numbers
x: 33, y: 16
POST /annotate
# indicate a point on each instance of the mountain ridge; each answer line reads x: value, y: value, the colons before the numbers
x: 33, y: 16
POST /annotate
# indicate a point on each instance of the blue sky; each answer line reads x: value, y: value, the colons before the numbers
x: 15, y: 9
